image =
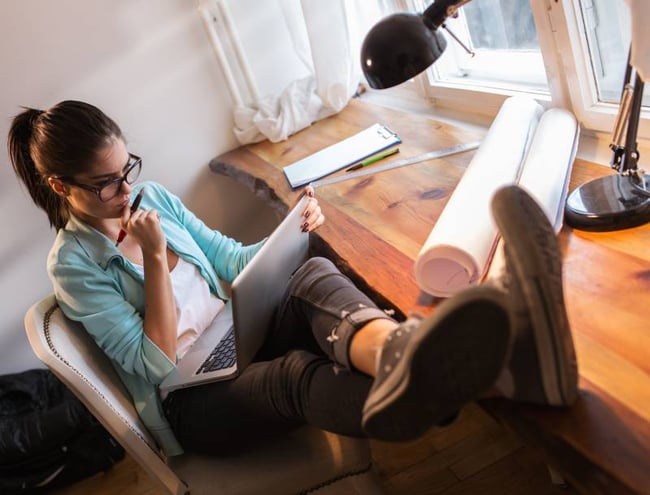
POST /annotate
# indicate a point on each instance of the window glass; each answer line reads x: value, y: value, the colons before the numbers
x: 607, y: 29
x: 505, y: 51
x: 501, y: 25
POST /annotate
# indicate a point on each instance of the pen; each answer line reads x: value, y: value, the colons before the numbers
x: 372, y: 159
x: 134, y: 206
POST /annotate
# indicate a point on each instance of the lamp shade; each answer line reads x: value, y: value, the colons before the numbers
x: 398, y: 48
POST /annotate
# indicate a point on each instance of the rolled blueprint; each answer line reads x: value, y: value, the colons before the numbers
x: 458, y: 250
x: 546, y: 170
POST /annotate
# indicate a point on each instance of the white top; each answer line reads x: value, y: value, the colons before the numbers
x: 196, y: 307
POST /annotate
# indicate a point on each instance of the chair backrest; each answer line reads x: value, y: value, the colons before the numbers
x: 71, y: 354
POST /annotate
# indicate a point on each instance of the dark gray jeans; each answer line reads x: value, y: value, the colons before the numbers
x: 301, y: 375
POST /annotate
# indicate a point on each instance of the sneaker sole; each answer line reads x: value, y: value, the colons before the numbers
x: 457, y: 354
x: 535, y: 259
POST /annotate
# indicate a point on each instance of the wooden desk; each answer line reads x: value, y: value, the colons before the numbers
x: 375, y: 228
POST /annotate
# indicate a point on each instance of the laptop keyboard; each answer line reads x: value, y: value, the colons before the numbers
x: 222, y: 356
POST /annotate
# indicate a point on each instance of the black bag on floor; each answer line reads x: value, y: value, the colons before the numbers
x: 48, y: 439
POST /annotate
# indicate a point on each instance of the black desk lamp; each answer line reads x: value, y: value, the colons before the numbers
x: 621, y: 200
x: 401, y: 46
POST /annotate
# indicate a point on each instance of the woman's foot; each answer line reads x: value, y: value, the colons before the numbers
x: 429, y: 369
x: 542, y: 367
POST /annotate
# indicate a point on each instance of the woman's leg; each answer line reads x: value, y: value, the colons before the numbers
x: 423, y: 371
x: 324, y: 312
x: 267, y: 399
x: 427, y: 369
x: 303, y: 373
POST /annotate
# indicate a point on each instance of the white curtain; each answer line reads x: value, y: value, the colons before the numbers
x: 288, y: 63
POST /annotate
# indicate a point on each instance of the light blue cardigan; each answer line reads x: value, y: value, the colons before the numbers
x: 97, y: 286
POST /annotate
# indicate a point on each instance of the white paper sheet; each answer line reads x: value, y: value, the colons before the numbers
x: 458, y: 250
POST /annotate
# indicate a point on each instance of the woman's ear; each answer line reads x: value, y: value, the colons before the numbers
x: 57, y: 186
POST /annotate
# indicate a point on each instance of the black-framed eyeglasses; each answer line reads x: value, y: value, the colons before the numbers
x: 111, y: 188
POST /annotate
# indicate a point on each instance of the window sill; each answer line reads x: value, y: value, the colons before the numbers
x: 593, y: 146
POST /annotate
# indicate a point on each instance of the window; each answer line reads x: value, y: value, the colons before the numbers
x: 608, y: 39
x: 568, y: 53
x: 607, y: 42
x: 594, y: 42
x: 504, y: 48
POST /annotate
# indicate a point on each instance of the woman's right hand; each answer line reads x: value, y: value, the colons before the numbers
x: 160, y: 321
x: 144, y: 227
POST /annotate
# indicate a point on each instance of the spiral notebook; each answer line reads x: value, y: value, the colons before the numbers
x: 349, y: 151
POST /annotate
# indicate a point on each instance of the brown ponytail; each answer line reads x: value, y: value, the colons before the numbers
x: 20, y: 136
x: 61, y: 142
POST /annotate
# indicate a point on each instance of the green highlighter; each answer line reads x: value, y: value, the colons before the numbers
x: 372, y: 159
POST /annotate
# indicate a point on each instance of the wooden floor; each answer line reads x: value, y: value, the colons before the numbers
x: 473, y: 456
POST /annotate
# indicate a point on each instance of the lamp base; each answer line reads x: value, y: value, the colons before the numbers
x: 608, y: 203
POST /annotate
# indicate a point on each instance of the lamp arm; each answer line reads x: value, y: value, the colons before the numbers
x: 436, y: 14
x: 631, y: 156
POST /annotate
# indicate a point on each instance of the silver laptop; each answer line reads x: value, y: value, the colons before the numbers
x: 236, y: 334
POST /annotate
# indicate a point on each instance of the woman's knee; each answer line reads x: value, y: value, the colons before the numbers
x: 309, y: 272
x: 317, y: 264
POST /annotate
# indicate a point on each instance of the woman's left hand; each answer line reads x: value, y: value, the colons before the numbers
x: 312, y: 215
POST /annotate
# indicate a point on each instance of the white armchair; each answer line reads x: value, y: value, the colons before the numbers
x: 306, y: 461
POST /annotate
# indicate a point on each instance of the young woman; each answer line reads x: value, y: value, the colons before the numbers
x: 331, y: 359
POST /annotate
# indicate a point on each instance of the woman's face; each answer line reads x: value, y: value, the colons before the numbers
x: 111, y: 163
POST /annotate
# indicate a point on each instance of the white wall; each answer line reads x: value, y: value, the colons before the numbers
x: 148, y: 64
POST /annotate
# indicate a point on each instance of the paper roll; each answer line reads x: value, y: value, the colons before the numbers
x: 547, y: 168
x: 546, y: 171
x: 457, y: 252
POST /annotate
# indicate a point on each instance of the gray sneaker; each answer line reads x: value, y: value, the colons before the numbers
x: 542, y: 366
x: 428, y: 369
